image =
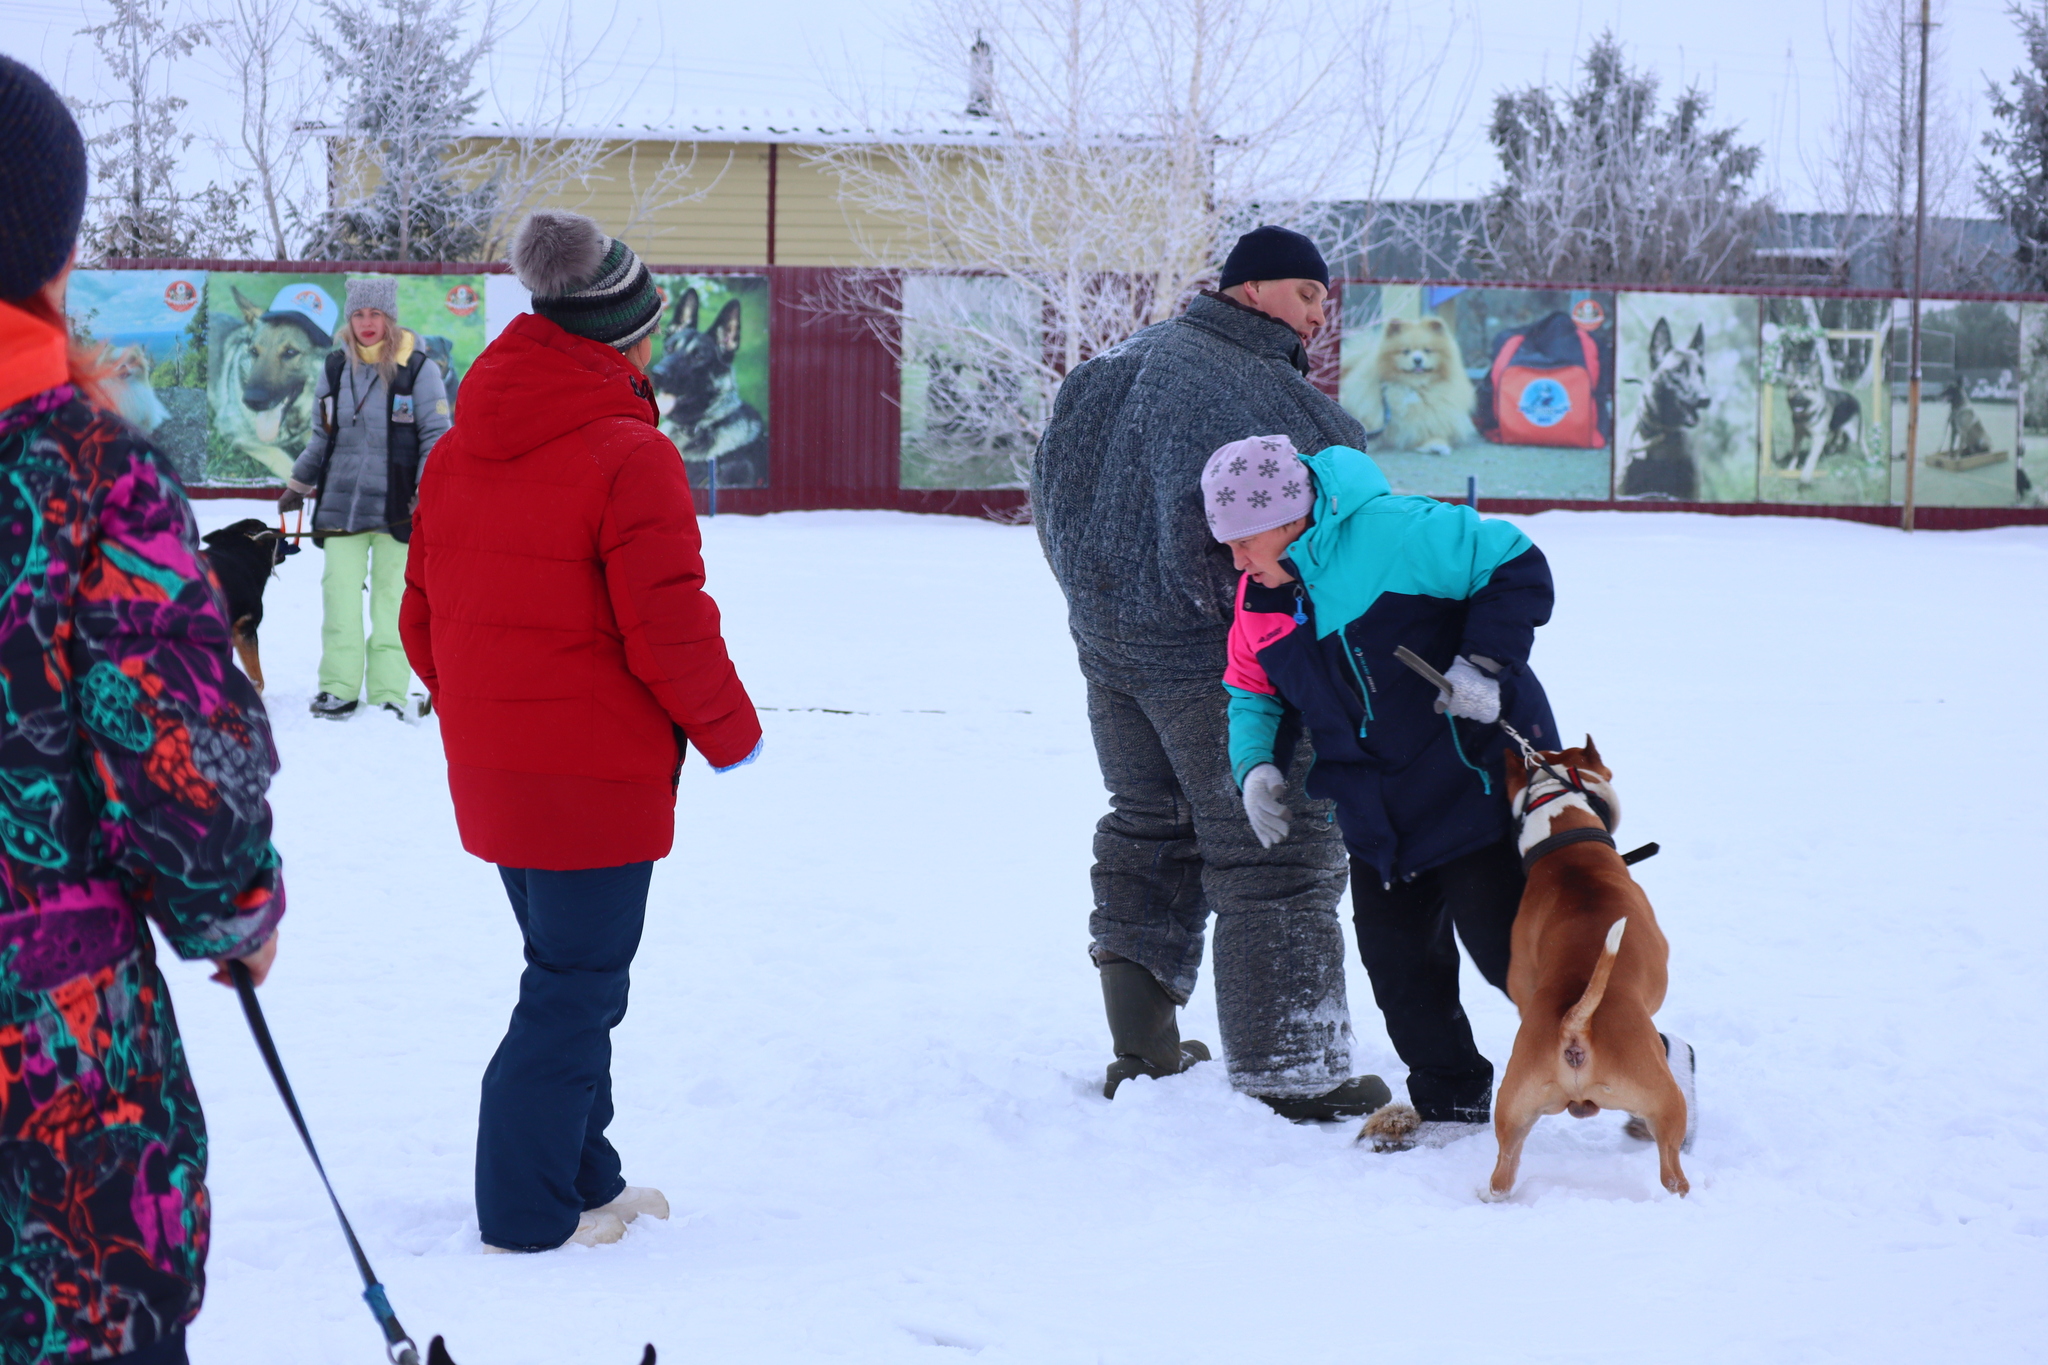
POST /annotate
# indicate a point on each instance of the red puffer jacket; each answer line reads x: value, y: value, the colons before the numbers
x: 555, y: 607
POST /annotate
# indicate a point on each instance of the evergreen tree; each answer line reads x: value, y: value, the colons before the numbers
x: 2018, y: 190
x: 409, y: 95
x: 1599, y: 186
x: 138, y: 209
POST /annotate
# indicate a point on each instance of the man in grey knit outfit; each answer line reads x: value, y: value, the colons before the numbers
x: 1118, y: 506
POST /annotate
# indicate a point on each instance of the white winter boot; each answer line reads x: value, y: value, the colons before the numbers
x: 598, y: 1227
x: 594, y: 1227
x: 633, y: 1201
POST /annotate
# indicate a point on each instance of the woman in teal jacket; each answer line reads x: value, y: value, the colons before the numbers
x: 1337, y: 573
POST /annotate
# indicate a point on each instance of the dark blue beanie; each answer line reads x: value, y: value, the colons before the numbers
x: 1274, y: 253
x: 42, y: 181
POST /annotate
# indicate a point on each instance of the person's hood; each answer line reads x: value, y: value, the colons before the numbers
x: 34, y: 355
x: 1365, y: 540
x: 537, y: 383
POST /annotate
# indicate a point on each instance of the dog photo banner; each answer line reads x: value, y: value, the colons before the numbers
x: 154, y: 323
x: 1513, y: 387
x: 710, y: 375
x: 1973, y: 390
x: 1824, y: 417
x: 971, y: 403
x: 268, y: 336
x: 1687, y: 397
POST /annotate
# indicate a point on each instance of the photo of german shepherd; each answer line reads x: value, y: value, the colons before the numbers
x: 1827, y: 420
x: 263, y: 372
x: 1658, y: 460
x: 699, y: 396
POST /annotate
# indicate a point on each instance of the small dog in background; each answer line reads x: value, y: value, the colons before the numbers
x: 1418, y: 396
x: 241, y: 557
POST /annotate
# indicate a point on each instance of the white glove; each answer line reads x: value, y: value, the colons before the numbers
x: 1476, y: 696
x: 1263, y: 788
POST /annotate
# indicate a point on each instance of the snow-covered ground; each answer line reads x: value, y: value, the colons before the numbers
x: 865, y: 1046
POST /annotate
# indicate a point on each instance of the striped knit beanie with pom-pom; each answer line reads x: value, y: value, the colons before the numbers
x: 584, y: 282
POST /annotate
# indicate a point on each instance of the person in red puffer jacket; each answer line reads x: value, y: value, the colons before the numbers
x: 555, y: 608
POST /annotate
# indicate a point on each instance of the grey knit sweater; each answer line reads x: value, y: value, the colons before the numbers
x: 1116, y: 487
x: 355, y: 470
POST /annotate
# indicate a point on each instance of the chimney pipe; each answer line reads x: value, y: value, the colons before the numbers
x: 981, y: 79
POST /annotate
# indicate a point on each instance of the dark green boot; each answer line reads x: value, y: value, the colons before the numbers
x: 1359, y: 1095
x: 1142, y: 1027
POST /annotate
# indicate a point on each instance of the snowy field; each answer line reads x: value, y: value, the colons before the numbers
x: 865, y: 1046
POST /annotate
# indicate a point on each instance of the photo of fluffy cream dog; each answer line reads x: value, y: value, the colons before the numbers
x: 1417, y: 395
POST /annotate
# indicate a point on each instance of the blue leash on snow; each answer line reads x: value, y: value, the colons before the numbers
x: 397, y: 1344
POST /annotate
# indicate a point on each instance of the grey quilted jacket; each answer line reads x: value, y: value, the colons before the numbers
x: 355, y: 471
x: 1116, y: 490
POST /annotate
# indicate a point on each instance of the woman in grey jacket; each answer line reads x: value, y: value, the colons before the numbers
x: 381, y: 406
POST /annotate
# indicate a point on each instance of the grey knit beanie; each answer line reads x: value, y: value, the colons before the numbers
x: 1254, y: 485
x: 378, y: 292
x: 584, y: 282
x: 42, y: 181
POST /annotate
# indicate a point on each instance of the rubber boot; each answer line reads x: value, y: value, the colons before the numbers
x: 1142, y: 1027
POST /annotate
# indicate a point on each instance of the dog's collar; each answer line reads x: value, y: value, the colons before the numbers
x: 1543, y: 848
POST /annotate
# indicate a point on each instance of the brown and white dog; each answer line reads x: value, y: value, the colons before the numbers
x: 1587, y: 971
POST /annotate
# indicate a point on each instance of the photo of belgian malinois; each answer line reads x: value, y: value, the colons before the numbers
x: 1658, y: 460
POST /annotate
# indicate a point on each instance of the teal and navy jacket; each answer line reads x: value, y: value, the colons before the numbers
x: 1414, y: 789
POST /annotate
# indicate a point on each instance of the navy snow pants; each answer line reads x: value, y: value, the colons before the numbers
x: 541, y: 1153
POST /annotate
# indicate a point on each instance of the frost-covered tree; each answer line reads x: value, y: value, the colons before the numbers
x: 1867, y: 176
x: 1600, y: 184
x: 408, y: 72
x: 138, y: 206
x: 260, y: 46
x: 2015, y: 183
x: 1102, y: 157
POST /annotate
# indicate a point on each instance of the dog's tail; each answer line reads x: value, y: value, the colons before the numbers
x: 1573, y: 1029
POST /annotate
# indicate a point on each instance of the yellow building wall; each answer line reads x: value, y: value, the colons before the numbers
x: 725, y: 220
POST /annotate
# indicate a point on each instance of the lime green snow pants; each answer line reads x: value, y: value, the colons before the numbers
x: 351, y: 560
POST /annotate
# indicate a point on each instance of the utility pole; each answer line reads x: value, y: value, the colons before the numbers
x: 1919, y: 261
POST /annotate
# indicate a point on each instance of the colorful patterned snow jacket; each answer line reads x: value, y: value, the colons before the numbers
x: 1413, y: 789
x: 555, y: 608
x: 133, y: 764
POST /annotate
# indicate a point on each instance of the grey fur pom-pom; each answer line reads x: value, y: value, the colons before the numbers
x: 557, y: 253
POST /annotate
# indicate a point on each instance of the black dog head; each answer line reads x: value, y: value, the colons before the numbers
x: 1678, y: 376
x: 251, y: 532
x: 437, y: 1354
x: 696, y: 367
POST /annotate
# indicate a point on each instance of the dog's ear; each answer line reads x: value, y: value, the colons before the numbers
x: 1434, y: 324
x: 1660, y: 342
x: 1394, y: 325
x: 1592, y: 753
x: 726, y: 331
x: 250, y: 309
x: 1517, y: 771
x: 685, y: 314
x: 437, y: 1353
x: 1699, y: 339
x: 648, y: 1359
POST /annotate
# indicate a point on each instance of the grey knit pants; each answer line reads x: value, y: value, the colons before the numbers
x: 1176, y: 845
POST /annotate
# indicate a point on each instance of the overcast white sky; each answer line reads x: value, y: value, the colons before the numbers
x: 1766, y: 62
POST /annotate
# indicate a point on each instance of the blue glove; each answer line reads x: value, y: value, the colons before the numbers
x: 758, y: 745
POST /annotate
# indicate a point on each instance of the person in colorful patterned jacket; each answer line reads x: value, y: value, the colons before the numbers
x: 134, y: 758
x: 1337, y: 573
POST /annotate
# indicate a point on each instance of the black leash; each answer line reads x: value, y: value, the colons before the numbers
x: 397, y: 1344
